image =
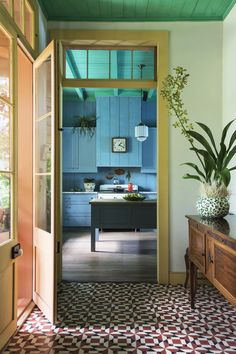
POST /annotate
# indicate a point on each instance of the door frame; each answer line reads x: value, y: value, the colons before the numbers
x: 159, y: 39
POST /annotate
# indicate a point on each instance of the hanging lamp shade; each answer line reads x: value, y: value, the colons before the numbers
x: 141, y: 132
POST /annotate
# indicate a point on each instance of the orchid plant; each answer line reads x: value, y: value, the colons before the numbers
x: 213, y: 167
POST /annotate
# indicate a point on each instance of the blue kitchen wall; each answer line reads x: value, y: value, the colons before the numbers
x: 145, y: 181
x: 73, y: 109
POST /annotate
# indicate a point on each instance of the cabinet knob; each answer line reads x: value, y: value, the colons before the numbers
x: 210, y: 259
x: 203, y: 254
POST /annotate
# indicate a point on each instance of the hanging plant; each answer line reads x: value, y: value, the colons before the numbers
x: 87, y: 125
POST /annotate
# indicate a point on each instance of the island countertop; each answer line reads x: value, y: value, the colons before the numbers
x: 121, y: 201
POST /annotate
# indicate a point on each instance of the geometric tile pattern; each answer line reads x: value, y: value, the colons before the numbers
x: 137, y: 318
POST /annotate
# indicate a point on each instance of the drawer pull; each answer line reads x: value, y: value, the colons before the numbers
x: 203, y: 254
x: 210, y: 259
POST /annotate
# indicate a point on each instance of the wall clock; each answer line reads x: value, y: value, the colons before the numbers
x: 119, y: 144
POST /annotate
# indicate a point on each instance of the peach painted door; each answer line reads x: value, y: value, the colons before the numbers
x: 8, y: 178
x: 44, y: 239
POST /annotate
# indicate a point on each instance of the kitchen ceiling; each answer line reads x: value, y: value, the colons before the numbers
x: 136, y: 10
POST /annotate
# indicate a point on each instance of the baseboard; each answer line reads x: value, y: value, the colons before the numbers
x: 25, y: 314
x: 177, y: 278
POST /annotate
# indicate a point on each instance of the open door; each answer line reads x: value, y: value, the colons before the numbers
x: 44, y: 195
x: 8, y: 206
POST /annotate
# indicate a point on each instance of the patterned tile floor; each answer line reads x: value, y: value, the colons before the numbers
x: 130, y: 318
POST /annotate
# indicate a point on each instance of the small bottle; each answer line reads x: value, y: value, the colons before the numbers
x: 130, y: 187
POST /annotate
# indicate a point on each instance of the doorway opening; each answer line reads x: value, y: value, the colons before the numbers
x: 89, y: 156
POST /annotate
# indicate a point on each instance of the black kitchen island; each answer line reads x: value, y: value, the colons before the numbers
x: 121, y: 214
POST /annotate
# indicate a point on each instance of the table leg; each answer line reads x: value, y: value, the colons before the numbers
x: 93, y: 238
x: 193, y: 282
x: 186, y: 258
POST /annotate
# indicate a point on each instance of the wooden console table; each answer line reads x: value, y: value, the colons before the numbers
x: 121, y: 214
x: 212, y: 250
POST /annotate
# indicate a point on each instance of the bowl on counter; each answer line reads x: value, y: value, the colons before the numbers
x: 134, y: 197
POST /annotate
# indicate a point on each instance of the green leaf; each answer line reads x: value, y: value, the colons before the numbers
x: 209, y: 133
x: 221, y: 156
x: 225, y: 176
x: 188, y: 176
x: 232, y: 140
x: 230, y: 156
x: 209, y: 161
x: 202, y: 141
x: 195, y: 167
x: 225, y: 130
x: 232, y: 168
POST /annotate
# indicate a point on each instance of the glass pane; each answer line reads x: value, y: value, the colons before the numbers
x: 5, y: 207
x: 145, y: 57
x: 76, y: 64
x: 6, y: 3
x: 43, y: 145
x: 98, y: 64
x: 29, y: 23
x: 43, y: 88
x: 43, y: 202
x: 120, y: 64
x: 18, y: 13
x: 4, y: 137
x: 5, y: 59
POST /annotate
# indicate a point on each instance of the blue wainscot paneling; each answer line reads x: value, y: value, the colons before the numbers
x: 117, y: 117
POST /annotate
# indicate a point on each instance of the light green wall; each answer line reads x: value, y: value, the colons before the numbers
x: 229, y: 86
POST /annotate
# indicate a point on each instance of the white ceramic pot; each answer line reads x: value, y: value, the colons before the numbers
x: 89, y: 186
x: 211, y: 208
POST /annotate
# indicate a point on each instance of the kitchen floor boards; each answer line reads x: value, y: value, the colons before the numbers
x: 119, y: 257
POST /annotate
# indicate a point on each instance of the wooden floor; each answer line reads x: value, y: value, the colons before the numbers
x: 120, y: 257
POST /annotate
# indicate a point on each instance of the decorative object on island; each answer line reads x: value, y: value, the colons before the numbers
x: 212, y: 171
x: 141, y: 130
x: 87, y: 125
x: 130, y: 185
x: 119, y: 144
x: 89, y: 184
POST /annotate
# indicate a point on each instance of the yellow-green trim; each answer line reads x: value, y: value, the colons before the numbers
x: 160, y: 39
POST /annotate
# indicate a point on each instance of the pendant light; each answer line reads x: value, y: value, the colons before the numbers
x: 141, y: 130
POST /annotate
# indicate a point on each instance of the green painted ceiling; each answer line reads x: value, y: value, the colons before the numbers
x: 136, y: 10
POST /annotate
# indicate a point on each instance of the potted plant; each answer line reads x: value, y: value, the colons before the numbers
x: 89, y: 184
x: 87, y: 125
x: 130, y: 185
x: 212, y: 169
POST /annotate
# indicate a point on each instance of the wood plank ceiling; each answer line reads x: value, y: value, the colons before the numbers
x: 136, y: 10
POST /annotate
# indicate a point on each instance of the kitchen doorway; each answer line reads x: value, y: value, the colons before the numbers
x: 88, y: 157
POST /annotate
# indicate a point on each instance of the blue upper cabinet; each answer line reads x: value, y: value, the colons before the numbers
x: 117, y: 117
x: 79, y: 151
x: 149, y: 156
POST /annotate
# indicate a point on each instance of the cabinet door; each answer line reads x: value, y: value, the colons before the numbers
x: 86, y: 148
x: 68, y: 149
x: 149, y: 152
x: 197, y: 246
x: 225, y: 270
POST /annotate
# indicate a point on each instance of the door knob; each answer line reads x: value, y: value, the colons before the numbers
x: 16, y: 251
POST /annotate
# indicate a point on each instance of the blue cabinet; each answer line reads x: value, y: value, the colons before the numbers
x: 76, y: 209
x: 149, y: 153
x: 117, y: 117
x: 79, y: 151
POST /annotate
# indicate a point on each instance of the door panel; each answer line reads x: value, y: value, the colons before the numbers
x: 44, y: 287
x: 8, y: 230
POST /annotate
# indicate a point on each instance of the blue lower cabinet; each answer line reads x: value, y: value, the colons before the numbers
x: 149, y: 153
x: 77, y: 210
x: 79, y: 151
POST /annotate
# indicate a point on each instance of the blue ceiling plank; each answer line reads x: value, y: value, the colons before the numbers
x: 75, y: 71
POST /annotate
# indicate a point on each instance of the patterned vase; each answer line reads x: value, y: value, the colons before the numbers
x: 211, y: 208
